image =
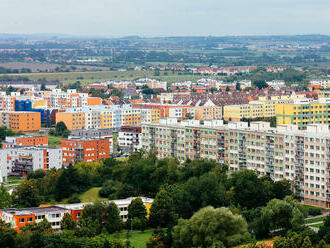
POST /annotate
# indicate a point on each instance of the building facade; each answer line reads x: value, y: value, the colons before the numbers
x: 284, y: 152
x: 21, y: 160
x: 25, y: 140
x: 80, y: 149
x: 304, y: 112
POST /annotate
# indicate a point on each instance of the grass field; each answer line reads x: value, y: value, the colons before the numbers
x: 91, y: 195
x: 314, y: 220
x: 54, y: 141
x: 137, y: 239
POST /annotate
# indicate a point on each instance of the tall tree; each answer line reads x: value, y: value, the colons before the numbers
x: 162, y: 211
x: 113, y: 222
x: 68, y: 223
x: 5, y: 199
x: 137, y: 212
x: 27, y: 194
x: 210, y: 226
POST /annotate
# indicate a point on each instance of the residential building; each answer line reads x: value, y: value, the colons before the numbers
x: 304, y: 112
x: 25, y: 140
x: 101, y: 133
x: 285, y: 152
x: 81, y: 149
x: 21, y: 121
x: 18, y: 218
x: 20, y: 160
x: 264, y: 107
x: 129, y: 139
x: 207, y: 113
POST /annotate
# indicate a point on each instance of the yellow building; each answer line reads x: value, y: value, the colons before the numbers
x: 238, y: 112
x: 150, y: 116
x: 106, y: 119
x: 264, y: 107
x: 303, y: 112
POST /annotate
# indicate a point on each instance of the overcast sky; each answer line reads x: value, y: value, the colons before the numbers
x: 165, y: 17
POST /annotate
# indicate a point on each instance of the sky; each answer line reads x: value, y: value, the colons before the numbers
x: 115, y: 18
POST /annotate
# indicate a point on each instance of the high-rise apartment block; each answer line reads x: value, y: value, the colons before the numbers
x: 285, y: 152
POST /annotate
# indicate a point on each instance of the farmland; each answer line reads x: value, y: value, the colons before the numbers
x: 92, y: 76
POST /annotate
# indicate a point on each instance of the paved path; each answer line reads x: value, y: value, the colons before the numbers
x: 318, y: 216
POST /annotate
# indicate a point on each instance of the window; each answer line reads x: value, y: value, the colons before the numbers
x: 30, y: 219
x: 21, y: 220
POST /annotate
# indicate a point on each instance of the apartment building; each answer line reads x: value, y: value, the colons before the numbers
x: 304, y: 112
x: 25, y: 140
x: 80, y: 149
x: 207, y: 113
x: 104, y: 116
x: 286, y: 152
x: 163, y: 108
x: 69, y: 99
x: 21, y: 121
x: 7, y: 103
x: 101, y: 133
x: 18, y: 218
x: 150, y: 115
x: 264, y: 107
x: 20, y: 160
x: 129, y: 139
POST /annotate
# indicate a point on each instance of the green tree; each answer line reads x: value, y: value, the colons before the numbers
x: 61, y: 129
x: 92, y: 218
x: 246, y: 190
x: 5, y: 199
x: 227, y: 89
x: 68, y: 223
x: 113, y: 222
x: 307, y: 243
x: 324, y: 232
x: 238, y: 86
x: 282, y: 214
x: 162, y: 211
x: 43, y: 227
x: 209, y: 226
x: 8, y: 236
x: 27, y: 194
x: 137, y: 211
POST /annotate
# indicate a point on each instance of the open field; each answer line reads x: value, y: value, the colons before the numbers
x: 92, y: 76
x: 137, y: 239
x: 35, y: 67
x: 92, y: 195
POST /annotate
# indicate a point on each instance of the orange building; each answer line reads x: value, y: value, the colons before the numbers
x: 72, y: 120
x: 89, y: 150
x: 164, y: 108
x: 94, y: 101
x: 25, y: 141
x: 22, y: 121
x: 208, y: 113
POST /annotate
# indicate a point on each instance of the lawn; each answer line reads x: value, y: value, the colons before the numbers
x: 315, y: 220
x: 92, y: 195
x: 318, y: 225
x: 137, y: 239
x: 54, y: 141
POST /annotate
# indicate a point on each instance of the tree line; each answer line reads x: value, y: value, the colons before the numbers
x: 233, y: 208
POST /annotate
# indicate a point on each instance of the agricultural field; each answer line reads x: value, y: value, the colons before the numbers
x: 37, y: 67
x: 93, y: 76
